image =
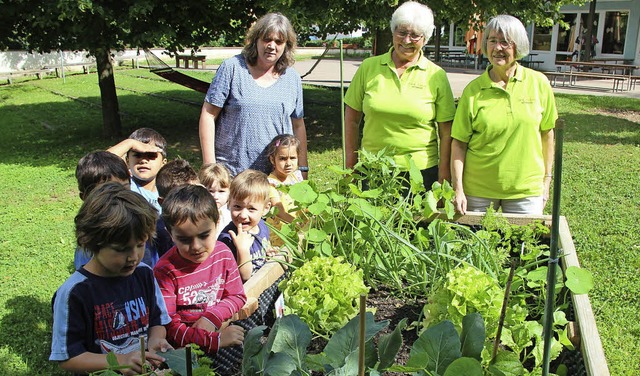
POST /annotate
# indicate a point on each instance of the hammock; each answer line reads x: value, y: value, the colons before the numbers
x: 160, y: 68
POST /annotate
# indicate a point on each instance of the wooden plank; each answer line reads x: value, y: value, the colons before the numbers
x: 266, y: 276
x: 591, y: 345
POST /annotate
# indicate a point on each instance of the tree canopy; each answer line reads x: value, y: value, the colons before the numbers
x: 103, y: 27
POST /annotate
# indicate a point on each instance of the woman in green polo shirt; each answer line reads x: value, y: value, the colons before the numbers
x: 502, y: 148
x: 405, y: 99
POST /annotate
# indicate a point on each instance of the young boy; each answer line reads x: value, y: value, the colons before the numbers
x: 145, y: 152
x: 175, y: 173
x: 113, y: 301
x: 248, y: 235
x: 93, y: 169
x: 217, y: 179
x: 198, y: 277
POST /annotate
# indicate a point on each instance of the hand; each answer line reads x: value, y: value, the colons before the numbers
x: 242, y: 240
x: 141, y: 147
x: 273, y: 251
x: 460, y: 202
x: 545, y: 190
x: 232, y: 335
x: 134, y: 359
x: 159, y: 345
x: 205, y: 324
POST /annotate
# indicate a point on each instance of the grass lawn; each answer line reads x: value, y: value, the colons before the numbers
x: 47, y: 125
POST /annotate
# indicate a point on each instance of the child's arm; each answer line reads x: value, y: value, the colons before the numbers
x: 243, y: 241
x: 178, y: 332
x: 233, y: 297
x: 123, y: 147
x: 91, y: 362
x: 281, y: 212
x: 157, y: 339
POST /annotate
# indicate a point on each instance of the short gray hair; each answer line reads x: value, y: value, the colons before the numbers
x: 416, y: 15
x: 513, y: 31
x: 271, y: 23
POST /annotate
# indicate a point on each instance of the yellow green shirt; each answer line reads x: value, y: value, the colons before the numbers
x: 502, y: 129
x: 401, y: 113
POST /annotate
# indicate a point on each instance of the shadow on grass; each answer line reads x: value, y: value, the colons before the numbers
x: 601, y: 129
x: 61, y: 132
x: 26, y: 331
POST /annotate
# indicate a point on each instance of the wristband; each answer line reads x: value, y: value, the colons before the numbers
x: 303, y: 168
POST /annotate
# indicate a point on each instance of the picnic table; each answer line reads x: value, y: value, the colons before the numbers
x: 528, y: 61
x: 194, y: 58
x: 585, y: 69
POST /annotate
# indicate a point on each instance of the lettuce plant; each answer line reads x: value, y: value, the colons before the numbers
x: 324, y: 293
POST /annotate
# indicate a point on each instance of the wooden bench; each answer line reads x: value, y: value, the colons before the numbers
x: 86, y: 67
x: 26, y: 72
x: 618, y: 80
x: 195, y: 58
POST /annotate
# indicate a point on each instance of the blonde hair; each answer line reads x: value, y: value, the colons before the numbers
x: 250, y: 184
x: 214, y: 173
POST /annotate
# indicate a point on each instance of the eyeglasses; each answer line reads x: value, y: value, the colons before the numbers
x: 412, y: 36
x: 503, y: 43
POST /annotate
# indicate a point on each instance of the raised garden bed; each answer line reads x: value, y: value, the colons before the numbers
x: 590, y: 343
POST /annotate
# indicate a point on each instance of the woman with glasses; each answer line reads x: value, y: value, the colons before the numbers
x: 405, y: 100
x: 502, y: 148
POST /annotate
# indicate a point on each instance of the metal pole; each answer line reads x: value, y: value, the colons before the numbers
x: 344, y: 153
x: 553, y: 252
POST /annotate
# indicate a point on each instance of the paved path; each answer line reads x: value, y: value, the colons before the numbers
x: 327, y: 73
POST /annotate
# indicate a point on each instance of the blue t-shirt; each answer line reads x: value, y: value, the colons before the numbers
x: 258, y: 250
x: 251, y: 115
x: 101, y: 314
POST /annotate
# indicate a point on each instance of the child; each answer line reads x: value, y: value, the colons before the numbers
x: 248, y: 235
x: 175, y: 173
x: 198, y: 277
x: 217, y: 179
x: 113, y: 301
x: 145, y: 152
x: 283, y: 155
x: 93, y: 169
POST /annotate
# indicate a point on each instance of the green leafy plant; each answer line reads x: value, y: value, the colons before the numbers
x: 374, y: 219
x: 285, y: 349
x: 324, y: 293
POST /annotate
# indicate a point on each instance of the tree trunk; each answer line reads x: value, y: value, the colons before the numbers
x: 112, y: 125
x: 588, y: 45
x: 382, y: 42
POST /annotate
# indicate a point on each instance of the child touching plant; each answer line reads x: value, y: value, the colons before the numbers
x: 283, y: 155
x: 217, y: 179
x: 113, y: 301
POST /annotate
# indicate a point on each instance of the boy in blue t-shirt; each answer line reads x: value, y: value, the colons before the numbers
x: 248, y: 235
x: 113, y: 300
x: 145, y: 152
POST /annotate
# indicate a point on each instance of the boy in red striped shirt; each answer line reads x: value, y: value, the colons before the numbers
x: 199, y: 276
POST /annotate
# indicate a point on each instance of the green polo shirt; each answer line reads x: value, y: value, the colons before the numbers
x: 401, y: 113
x: 502, y: 129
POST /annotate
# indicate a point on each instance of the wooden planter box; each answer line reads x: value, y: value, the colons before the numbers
x: 590, y: 344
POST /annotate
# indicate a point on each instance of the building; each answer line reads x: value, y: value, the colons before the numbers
x: 616, y: 29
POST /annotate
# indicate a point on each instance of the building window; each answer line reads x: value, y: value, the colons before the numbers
x: 567, y: 37
x: 542, y: 38
x: 615, y: 30
x: 458, y: 36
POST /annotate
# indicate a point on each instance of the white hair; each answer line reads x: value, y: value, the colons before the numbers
x: 418, y: 16
x: 513, y: 31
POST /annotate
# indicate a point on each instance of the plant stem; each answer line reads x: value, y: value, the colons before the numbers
x: 503, y: 312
